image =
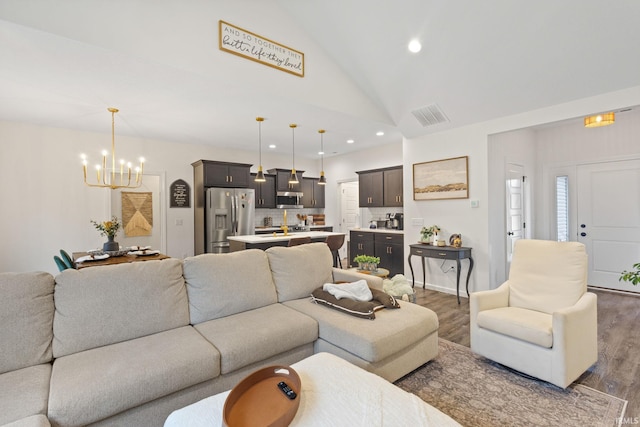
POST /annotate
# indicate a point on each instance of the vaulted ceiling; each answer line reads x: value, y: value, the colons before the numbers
x: 65, y: 62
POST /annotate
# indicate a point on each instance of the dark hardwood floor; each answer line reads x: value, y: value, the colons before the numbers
x: 617, y: 371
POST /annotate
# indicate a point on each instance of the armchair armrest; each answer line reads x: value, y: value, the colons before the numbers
x: 487, y: 300
x: 340, y: 275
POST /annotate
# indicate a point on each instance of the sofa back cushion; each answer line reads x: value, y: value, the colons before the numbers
x: 220, y: 285
x: 299, y: 270
x: 98, y: 306
x: 26, y: 319
x: 546, y: 276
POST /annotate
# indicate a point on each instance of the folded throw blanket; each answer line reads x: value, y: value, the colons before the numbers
x: 356, y: 291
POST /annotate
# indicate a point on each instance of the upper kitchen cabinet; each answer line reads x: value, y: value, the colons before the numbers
x: 223, y: 174
x: 380, y: 187
x: 370, y: 184
x: 393, y: 187
x: 312, y: 193
x: 265, y: 191
x: 282, y: 180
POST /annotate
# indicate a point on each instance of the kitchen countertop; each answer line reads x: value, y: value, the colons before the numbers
x: 278, y: 229
x: 266, y: 238
x: 378, y: 230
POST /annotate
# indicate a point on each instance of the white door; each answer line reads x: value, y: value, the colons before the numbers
x: 609, y: 220
x: 350, y: 212
x: 515, y: 209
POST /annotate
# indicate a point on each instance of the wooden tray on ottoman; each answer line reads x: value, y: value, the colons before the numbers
x: 258, y: 401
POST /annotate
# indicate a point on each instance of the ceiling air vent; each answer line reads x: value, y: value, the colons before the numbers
x: 430, y: 115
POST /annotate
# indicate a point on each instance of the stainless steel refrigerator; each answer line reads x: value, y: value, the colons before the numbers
x: 228, y: 212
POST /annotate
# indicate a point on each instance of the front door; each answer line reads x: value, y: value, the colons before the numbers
x: 609, y: 220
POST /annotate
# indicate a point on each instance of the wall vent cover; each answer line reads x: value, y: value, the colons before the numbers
x: 430, y: 115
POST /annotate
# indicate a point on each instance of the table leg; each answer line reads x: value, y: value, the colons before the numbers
x: 413, y: 277
x: 469, y: 274
x: 458, y: 280
x: 424, y: 277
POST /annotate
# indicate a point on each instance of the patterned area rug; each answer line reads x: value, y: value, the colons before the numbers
x: 477, y: 392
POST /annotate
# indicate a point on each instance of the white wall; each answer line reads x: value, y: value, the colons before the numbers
x: 474, y: 224
x: 46, y: 207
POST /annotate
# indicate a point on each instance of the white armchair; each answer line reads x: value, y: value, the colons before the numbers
x: 541, y: 321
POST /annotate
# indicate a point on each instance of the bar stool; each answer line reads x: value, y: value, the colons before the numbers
x: 295, y: 241
x: 335, y: 242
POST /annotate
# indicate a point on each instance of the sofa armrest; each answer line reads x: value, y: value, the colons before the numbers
x: 340, y: 275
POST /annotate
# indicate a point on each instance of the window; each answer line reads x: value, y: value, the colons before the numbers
x: 562, y: 208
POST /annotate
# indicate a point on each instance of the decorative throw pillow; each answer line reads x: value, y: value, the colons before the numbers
x: 365, y: 310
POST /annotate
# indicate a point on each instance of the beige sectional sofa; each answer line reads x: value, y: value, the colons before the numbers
x: 128, y: 344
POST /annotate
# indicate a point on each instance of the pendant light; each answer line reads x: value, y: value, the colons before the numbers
x: 260, y: 175
x: 101, y: 171
x: 322, y: 180
x: 293, y: 178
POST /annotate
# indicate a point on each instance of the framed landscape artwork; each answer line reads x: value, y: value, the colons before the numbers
x: 441, y: 179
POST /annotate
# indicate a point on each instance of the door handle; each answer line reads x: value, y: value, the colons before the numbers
x: 510, y: 233
x: 583, y: 234
x: 583, y: 225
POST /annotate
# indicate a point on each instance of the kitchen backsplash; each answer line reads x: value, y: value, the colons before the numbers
x: 372, y: 214
x: 277, y: 214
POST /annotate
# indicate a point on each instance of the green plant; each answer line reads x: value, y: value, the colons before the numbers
x: 366, y: 259
x: 107, y: 228
x: 427, y: 232
x: 631, y: 276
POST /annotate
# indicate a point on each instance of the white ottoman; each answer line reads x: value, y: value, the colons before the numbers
x: 334, y: 392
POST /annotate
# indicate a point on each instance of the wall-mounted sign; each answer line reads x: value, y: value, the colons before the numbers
x: 179, y: 194
x: 249, y: 45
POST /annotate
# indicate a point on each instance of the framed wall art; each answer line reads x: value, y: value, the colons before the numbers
x: 441, y: 179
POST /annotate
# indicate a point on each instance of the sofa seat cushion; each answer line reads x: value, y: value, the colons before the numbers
x: 220, y: 285
x: 115, y: 303
x: 26, y: 316
x: 24, y: 392
x: 256, y: 335
x: 32, y: 421
x: 95, y: 384
x: 527, y: 325
x: 371, y: 340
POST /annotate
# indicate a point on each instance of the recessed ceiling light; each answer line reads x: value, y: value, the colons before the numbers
x: 350, y: 141
x: 414, y: 46
x: 379, y: 133
x: 272, y: 146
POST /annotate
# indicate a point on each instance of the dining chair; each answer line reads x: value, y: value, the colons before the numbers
x: 335, y: 242
x: 295, y: 241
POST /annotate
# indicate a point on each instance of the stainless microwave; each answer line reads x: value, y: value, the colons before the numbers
x: 289, y: 200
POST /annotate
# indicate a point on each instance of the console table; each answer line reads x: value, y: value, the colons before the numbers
x: 441, y: 252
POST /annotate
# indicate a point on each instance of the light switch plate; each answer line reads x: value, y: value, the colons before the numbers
x: 417, y: 222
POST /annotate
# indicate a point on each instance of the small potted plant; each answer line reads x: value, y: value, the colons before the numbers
x: 367, y: 262
x: 108, y: 229
x: 631, y: 276
x: 429, y: 234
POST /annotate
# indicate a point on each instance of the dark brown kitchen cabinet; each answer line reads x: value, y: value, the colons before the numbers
x: 223, y: 174
x: 360, y: 243
x: 265, y: 192
x: 392, y: 187
x: 370, y: 184
x: 390, y: 248
x: 282, y: 180
x: 380, y: 187
x: 312, y: 193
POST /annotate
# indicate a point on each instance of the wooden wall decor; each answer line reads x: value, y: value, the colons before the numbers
x: 137, y: 213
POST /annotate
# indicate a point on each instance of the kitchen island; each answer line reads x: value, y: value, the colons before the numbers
x: 265, y: 241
